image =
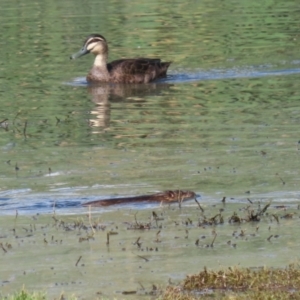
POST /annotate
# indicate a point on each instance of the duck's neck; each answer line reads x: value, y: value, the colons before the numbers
x: 101, y: 61
x: 99, y: 72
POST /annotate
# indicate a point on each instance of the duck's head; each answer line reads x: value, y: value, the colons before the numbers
x: 94, y: 43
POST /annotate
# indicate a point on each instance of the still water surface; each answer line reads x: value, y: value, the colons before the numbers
x: 224, y: 122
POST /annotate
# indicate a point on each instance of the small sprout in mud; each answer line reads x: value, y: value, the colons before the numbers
x: 2, y: 247
x: 8, y: 246
x: 200, y: 207
x: 107, y: 238
x: 253, y: 217
x: 24, y: 130
x: 224, y: 200
x: 15, y: 222
x: 138, y: 243
x: 212, y: 243
x: 87, y: 238
x: 154, y: 215
x: 197, y: 242
x: 229, y: 243
x: 154, y: 287
x: 276, y: 218
x: 140, y: 226
x: 45, y: 241
x: 265, y: 208
x: 283, y: 182
x: 157, y: 240
x: 113, y: 233
x: 78, y: 260
x: 249, y: 200
x: 143, y: 257
x: 187, y: 234
x: 235, y: 218
x: 269, y: 238
x: 49, y: 171
x: 129, y: 292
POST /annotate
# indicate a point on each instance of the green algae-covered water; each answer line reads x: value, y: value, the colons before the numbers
x: 223, y: 123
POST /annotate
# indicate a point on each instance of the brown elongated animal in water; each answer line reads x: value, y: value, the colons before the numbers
x: 165, y: 197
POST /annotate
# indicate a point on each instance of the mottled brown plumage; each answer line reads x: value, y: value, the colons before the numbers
x: 166, y: 197
x: 134, y: 70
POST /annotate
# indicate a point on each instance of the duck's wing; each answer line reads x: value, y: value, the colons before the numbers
x: 138, y: 70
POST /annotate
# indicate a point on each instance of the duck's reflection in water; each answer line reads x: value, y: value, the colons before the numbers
x: 104, y: 95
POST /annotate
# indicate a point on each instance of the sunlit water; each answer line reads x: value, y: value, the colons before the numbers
x: 224, y: 122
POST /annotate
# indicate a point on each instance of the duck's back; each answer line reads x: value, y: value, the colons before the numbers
x: 138, y: 70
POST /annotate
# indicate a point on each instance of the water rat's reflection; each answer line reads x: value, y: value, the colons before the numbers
x: 103, y: 95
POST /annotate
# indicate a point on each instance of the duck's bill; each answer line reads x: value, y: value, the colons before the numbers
x: 81, y: 52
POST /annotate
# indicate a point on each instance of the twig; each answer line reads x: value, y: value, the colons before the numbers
x: 212, y: 243
x: 90, y: 220
x: 78, y: 260
x: 146, y: 259
x: 24, y: 129
x: 16, y: 220
x: 199, y: 205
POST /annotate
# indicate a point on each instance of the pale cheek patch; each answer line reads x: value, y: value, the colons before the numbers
x: 90, y: 46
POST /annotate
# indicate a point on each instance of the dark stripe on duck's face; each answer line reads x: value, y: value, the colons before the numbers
x: 93, y: 40
x: 97, y: 37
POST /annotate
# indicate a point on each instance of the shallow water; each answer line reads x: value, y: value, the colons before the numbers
x: 223, y: 123
x: 61, y: 253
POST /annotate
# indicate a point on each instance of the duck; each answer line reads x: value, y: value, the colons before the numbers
x: 130, y: 70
